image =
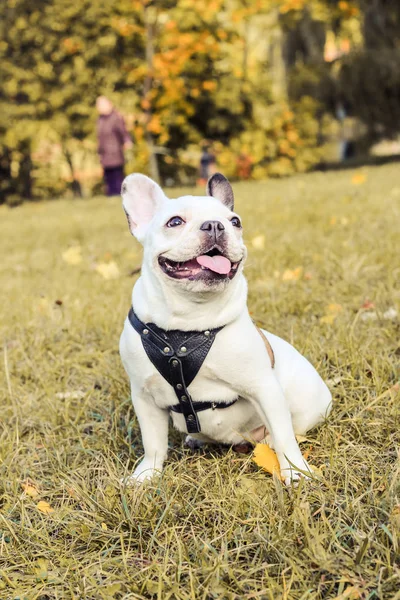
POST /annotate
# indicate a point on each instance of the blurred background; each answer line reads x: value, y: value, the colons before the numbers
x: 266, y: 88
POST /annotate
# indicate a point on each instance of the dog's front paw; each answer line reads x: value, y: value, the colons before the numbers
x: 143, y: 472
x: 292, y: 473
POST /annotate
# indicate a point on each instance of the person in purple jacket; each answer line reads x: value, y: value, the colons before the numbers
x: 113, y: 139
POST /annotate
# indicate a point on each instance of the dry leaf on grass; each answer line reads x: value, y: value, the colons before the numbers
x: 367, y: 305
x: 332, y: 311
x: 258, y: 242
x: 316, y: 470
x: 73, y: 256
x: 266, y: 458
x: 44, y: 507
x: 43, y: 305
x: 292, y: 274
x: 350, y: 593
x: 108, y: 270
x: 30, y: 489
x: 358, y: 179
x: 41, y: 569
x: 104, y: 527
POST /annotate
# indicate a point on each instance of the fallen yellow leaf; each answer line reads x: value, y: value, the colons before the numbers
x: 258, y: 242
x: 43, y: 305
x: 292, y: 275
x: 317, y: 470
x: 44, y: 507
x: 350, y: 593
x: 335, y: 308
x: 332, y: 311
x: 104, y: 527
x: 73, y: 255
x: 358, y: 179
x: 266, y: 458
x: 108, y: 270
x: 327, y: 319
x: 30, y: 489
x: 41, y: 569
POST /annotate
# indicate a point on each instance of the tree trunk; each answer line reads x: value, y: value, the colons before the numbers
x: 75, y: 186
x: 24, y: 179
x: 148, y: 83
x: 5, y: 175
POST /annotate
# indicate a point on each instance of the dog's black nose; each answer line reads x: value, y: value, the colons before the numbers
x: 214, y: 228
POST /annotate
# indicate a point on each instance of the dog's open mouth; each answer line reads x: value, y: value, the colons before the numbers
x: 211, y: 265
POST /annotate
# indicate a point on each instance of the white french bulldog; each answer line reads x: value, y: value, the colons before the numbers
x: 192, y: 281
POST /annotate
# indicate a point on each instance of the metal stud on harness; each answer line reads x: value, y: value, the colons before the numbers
x: 178, y: 356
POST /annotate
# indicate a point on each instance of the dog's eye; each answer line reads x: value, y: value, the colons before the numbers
x: 236, y: 222
x: 175, y: 222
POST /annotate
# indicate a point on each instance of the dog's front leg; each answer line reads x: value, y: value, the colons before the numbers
x: 272, y: 404
x: 153, y: 423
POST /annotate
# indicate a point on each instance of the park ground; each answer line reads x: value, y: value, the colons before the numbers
x: 324, y: 273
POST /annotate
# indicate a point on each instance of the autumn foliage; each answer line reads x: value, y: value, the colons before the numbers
x: 253, y: 78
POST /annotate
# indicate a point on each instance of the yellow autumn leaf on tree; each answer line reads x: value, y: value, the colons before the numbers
x: 73, y: 255
x: 44, y: 507
x: 209, y: 85
x: 266, y: 458
x: 108, y: 270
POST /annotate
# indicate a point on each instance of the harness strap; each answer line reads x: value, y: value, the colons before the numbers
x: 199, y: 406
x: 178, y: 356
x: 267, y: 346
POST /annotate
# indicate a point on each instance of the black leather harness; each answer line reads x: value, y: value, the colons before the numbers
x: 178, y: 356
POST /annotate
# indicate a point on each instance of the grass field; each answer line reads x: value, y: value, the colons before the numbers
x: 324, y: 273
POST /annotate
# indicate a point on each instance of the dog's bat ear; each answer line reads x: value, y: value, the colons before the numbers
x: 219, y: 187
x: 141, y: 199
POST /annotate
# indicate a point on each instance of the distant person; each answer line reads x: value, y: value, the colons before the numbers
x: 346, y: 142
x: 243, y: 166
x: 208, y: 164
x: 113, y: 139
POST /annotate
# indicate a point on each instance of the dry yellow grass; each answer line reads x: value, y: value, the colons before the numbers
x: 322, y: 249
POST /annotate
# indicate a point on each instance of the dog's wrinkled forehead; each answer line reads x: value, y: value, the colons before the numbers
x: 145, y: 204
x: 194, y: 208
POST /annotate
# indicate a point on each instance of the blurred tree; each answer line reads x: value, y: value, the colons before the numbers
x: 370, y: 78
x: 181, y: 72
x: 185, y: 81
x: 55, y: 57
x: 381, y: 24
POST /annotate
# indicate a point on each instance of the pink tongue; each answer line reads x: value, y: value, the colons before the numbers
x: 218, y: 264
